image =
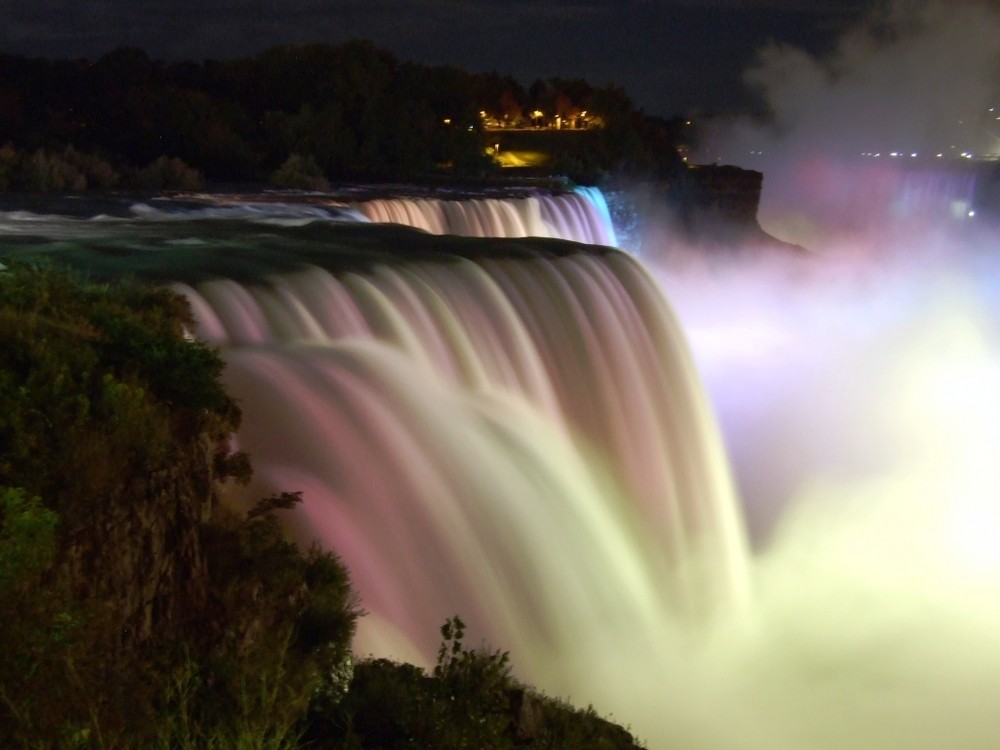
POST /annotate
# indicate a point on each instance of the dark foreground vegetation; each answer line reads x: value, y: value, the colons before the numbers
x: 299, y: 116
x: 139, y: 611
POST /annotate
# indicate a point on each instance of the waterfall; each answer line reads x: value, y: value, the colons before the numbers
x: 522, y: 442
x: 581, y: 215
x: 510, y: 430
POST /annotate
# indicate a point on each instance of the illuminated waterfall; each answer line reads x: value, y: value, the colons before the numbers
x: 581, y: 216
x: 522, y: 442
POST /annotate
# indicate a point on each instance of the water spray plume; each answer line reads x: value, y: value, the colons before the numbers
x: 852, y: 137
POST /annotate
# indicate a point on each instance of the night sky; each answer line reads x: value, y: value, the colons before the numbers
x: 672, y: 56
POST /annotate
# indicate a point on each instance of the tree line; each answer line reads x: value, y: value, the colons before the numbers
x: 351, y: 111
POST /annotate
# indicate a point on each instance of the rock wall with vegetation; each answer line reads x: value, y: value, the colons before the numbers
x: 124, y: 570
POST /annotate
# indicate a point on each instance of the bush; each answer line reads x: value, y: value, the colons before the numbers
x: 27, y: 540
x: 301, y: 173
x: 10, y: 166
x: 168, y: 173
x: 470, y: 701
x: 45, y: 171
x: 149, y: 613
x: 98, y: 385
x: 37, y: 645
x: 97, y: 172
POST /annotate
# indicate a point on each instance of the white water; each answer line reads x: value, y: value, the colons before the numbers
x: 581, y: 216
x: 523, y: 443
x: 858, y: 395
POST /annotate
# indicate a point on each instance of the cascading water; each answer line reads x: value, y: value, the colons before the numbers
x: 520, y: 441
x: 581, y: 216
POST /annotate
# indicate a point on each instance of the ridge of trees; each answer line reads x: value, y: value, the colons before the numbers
x: 351, y: 111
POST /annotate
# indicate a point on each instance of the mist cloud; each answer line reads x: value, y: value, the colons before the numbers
x: 912, y: 78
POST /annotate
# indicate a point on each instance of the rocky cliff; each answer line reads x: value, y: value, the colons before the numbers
x: 709, y: 198
x: 711, y: 208
x: 141, y: 553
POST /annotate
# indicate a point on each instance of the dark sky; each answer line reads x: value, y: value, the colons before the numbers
x: 672, y: 56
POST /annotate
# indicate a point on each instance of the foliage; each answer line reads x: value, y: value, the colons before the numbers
x: 41, y: 645
x: 94, y: 383
x: 470, y: 700
x: 47, y: 171
x: 259, y: 720
x: 147, y: 613
x: 27, y: 547
x: 283, y: 627
x: 475, y: 683
x: 353, y: 109
x: 85, y: 427
x: 301, y: 172
x: 27, y: 539
x: 44, y: 172
x: 464, y: 704
x: 69, y: 170
x: 169, y: 173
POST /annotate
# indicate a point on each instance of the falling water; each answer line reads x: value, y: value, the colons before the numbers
x: 523, y: 442
x: 581, y: 216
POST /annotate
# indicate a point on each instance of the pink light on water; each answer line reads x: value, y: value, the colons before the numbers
x: 523, y: 442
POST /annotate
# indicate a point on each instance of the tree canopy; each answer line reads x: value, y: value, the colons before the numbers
x: 354, y: 109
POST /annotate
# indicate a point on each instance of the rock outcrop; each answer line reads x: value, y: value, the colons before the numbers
x: 712, y: 197
x: 711, y: 208
x: 141, y: 552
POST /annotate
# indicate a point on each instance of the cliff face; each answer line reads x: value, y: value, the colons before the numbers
x: 141, y: 554
x: 709, y: 207
x: 118, y: 425
x: 710, y: 196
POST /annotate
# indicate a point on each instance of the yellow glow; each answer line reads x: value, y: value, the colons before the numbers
x: 510, y: 158
x: 949, y: 402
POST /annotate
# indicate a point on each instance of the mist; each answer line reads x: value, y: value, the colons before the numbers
x: 855, y: 382
x: 882, y: 129
x: 894, y: 245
